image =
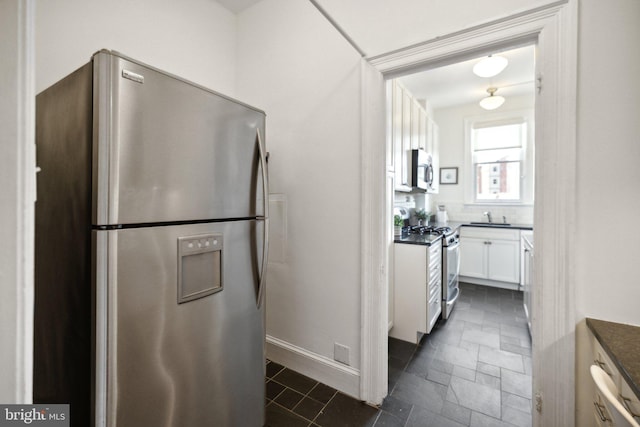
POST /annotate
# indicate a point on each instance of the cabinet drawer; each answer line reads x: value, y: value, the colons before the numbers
x: 434, y: 264
x: 489, y: 233
x: 601, y: 358
x: 601, y: 411
x: 434, y: 309
x: 434, y: 287
x: 433, y: 278
x: 629, y: 400
x: 435, y: 249
x: 435, y: 254
x: 434, y: 271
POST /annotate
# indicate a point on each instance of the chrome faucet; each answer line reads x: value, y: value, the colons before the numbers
x: 488, y: 214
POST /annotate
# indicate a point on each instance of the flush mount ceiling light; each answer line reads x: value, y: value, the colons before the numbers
x: 492, y: 101
x: 490, y: 66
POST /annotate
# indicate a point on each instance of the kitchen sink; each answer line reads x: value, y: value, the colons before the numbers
x: 491, y: 224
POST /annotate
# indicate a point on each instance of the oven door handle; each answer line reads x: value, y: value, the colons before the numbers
x: 455, y: 298
x: 453, y: 247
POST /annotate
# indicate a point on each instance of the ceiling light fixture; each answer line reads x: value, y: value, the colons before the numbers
x: 492, y: 101
x: 490, y: 66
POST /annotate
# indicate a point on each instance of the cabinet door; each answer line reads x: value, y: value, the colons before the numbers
x: 473, y: 257
x: 391, y: 88
x: 422, y: 129
x: 435, y: 156
x: 406, y: 140
x: 416, y: 116
x: 504, y: 260
x: 397, y: 122
x: 410, y: 292
x: 390, y: 245
x: 527, y: 282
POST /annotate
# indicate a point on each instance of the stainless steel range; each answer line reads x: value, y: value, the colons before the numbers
x: 450, y: 270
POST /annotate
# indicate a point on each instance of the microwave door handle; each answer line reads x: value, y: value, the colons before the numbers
x: 428, y: 174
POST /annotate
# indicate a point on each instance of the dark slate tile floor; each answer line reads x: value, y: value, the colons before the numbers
x: 472, y: 370
x: 296, y: 400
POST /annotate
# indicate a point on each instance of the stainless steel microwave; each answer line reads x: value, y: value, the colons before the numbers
x: 421, y: 170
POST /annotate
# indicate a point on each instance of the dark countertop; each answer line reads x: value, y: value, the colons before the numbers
x: 424, y: 239
x: 418, y: 239
x: 622, y: 344
x: 497, y: 225
x: 428, y: 240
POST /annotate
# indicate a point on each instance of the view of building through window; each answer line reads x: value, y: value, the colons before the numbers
x: 498, y: 153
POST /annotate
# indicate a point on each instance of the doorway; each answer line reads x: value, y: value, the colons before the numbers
x: 476, y: 357
x: 553, y: 29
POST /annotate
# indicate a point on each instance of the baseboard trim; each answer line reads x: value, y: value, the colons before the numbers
x: 327, y: 371
x: 492, y: 283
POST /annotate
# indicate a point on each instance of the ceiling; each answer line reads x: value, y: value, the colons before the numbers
x: 237, y: 6
x: 381, y: 26
x: 456, y: 84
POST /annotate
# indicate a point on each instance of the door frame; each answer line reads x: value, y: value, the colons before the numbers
x: 18, y: 194
x: 553, y: 28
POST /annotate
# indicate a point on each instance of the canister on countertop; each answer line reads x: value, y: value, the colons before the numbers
x: 441, y: 215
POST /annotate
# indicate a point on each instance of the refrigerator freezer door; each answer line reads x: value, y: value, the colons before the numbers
x: 163, y: 362
x: 168, y: 150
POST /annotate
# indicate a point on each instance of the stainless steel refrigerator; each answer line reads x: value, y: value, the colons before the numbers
x: 151, y: 248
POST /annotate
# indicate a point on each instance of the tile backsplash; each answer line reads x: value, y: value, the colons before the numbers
x: 463, y: 212
x: 457, y: 211
x: 413, y: 202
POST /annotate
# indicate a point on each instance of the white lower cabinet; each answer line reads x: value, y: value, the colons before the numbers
x: 490, y: 256
x: 605, y: 415
x: 526, y: 275
x: 417, y: 290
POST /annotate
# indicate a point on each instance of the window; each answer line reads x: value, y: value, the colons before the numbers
x: 499, y: 160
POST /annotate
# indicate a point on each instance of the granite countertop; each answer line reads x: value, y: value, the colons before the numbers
x: 424, y: 239
x: 497, y: 225
x: 428, y: 240
x: 418, y: 239
x: 622, y: 344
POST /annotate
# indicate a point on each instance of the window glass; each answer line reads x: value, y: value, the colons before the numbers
x: 497, y: 156
x: 487, y: 138
x: 498, y: 181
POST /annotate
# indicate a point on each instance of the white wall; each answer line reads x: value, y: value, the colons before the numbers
x: 451, y: 123
x: 194, y: 39
x: 608, y: 191
x: 295, y: 66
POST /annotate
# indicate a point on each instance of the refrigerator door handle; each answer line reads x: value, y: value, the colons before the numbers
x: 265, y: 240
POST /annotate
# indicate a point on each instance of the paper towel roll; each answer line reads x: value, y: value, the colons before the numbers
x: 441, y: 217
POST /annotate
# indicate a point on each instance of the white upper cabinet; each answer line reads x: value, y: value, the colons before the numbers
x: 418, y: 117
x: 422, y: 129
x: 433, y: 147
x: 411, y: 129
x: 400, y: 136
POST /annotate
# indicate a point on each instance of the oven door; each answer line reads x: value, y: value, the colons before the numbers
x: 451, y: 290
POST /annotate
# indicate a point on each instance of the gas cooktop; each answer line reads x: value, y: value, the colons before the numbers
x: 425, y: 235
x: 427, y: 229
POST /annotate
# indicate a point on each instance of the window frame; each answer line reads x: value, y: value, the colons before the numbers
x: 525, y: 116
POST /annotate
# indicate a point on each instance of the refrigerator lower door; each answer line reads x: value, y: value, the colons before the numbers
x: 179, y: 336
